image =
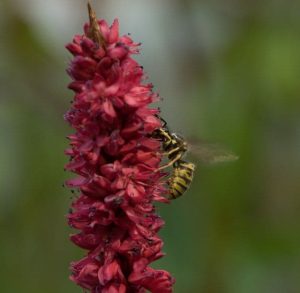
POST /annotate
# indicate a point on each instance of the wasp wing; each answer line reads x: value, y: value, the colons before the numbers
x: 211, y: 153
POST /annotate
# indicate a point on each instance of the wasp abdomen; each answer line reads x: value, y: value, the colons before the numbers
x: 181, y: 178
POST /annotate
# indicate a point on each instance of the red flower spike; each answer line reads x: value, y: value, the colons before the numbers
x: 115, y: 159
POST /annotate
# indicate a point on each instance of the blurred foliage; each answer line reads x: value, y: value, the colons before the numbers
x: 235, y: 69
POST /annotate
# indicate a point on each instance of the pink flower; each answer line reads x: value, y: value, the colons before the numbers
x: 115, y: 159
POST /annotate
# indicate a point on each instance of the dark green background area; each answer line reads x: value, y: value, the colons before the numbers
x: 228, y: 72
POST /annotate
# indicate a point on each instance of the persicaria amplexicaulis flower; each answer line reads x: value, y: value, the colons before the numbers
x: 115, y: 158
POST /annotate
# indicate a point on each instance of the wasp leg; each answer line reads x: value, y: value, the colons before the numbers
x: 165, y: 135
x: 170, y: 163
x: 171, y: 152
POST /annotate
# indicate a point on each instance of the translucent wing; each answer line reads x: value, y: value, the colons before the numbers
x: 210, y: 153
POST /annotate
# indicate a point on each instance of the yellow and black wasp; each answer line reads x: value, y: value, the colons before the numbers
x: 175, y: 147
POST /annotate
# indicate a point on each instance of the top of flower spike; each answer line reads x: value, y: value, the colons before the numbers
x: 94, y: 30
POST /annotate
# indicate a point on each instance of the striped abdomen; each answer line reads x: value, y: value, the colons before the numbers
x: 181, y: 178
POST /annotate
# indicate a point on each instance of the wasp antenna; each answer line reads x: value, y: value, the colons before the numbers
x: 164, y: 121
x: 94, y: 30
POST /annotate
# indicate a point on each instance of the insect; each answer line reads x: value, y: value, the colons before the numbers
x: 175, y: 147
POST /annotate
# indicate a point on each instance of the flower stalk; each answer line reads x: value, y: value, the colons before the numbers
x: 115, y: 159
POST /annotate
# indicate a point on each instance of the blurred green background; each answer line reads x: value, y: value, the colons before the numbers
x: 228, y: 72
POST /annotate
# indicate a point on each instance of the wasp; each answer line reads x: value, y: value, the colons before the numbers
x: 175, y: 148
